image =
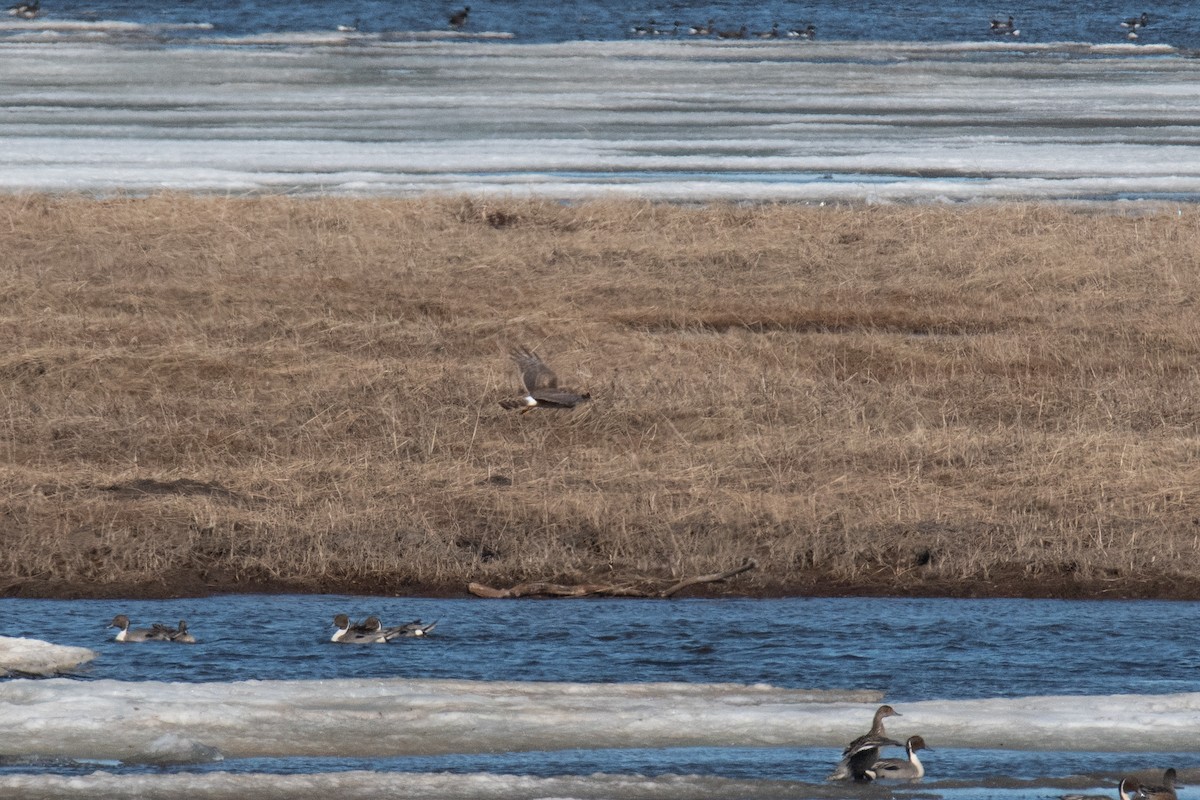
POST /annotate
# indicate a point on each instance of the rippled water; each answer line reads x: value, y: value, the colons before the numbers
x: 911, y: 649
x: 597, y: 20
x: 922, y: 655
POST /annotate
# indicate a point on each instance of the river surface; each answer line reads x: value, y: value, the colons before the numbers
x: 603, y: 698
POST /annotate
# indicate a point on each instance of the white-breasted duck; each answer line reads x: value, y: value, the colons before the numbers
x: 1136, y: 22
x: 702, y: 30
x: 904, y: 769
x: 367, y: 632
x: 157, y: 633
x: 809, y: 32
x: 27, y: 10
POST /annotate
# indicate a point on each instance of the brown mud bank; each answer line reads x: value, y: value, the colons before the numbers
x: 1011, y: 585
x: 203, y: 395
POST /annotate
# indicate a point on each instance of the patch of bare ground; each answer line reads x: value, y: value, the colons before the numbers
x: 211, y: 394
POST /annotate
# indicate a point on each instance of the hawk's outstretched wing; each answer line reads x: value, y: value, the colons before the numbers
x: 535, y: 374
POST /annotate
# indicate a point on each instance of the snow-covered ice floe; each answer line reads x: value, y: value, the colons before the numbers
x: 157, y: 722
x: 21, y: 656
x: 687, y: 121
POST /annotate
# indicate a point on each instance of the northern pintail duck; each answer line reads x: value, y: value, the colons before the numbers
x: 409, y: 630
x: 179, y: 634
x: 809, y: 32
x: 1127, y: 789
x: 771, y: 34
x: 1005, y: 27
x: 702, y: 30
x: 906, y: 769
x: 157, y: 633
x: 1163, y: 791
x: 1136, y: 22
x: 357, y: 633
x: 863, y: 752
x: 459, y: 18
x: 26, y: 10
x: 643, y: 30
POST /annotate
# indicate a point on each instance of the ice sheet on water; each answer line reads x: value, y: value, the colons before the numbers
x: 353, y: 785
x: 837, y: 121
x: 23, y: 656
x: 127, y: 721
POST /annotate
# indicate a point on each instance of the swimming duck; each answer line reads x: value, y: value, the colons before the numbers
x: 771, y: 34
x: 643, y: 30
x: 1136, y: 22
x: 414, y: 629
x: 910, y: 769
x: 803, y: 33
x: 738, y: 34
x: 702, y: 30
x: 157, y: 633
x: 408, y: 630
x: 863, y: 752
x: 1163, y: 791
x: 26, y: 10
x: 367, y: 632
x: 180, y: 634
x: 1005, y: 27
x: 459, y: 18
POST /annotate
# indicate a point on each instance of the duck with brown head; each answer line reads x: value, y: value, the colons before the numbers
x: 862, y: 753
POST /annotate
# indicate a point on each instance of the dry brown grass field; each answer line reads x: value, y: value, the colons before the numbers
x: 213, y: 394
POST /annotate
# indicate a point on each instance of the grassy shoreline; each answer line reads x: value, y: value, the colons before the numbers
x: 212, y: 395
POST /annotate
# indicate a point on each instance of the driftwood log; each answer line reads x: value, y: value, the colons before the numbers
x: 543, y: 589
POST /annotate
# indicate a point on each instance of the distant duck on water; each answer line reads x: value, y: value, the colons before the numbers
x: 1137, y: 22
x: 809, y: 32
x: 740, y: 33
x: 27, y: 10
x: 459, y: 18
x: 702, y: 30
x: 773, y: 33
x: 1001, y: 27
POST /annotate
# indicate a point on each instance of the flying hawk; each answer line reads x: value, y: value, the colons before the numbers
x: 541, y: 385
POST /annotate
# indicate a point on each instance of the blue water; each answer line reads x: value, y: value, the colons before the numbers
x: 910, y: 649
x: 1175, y: 23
